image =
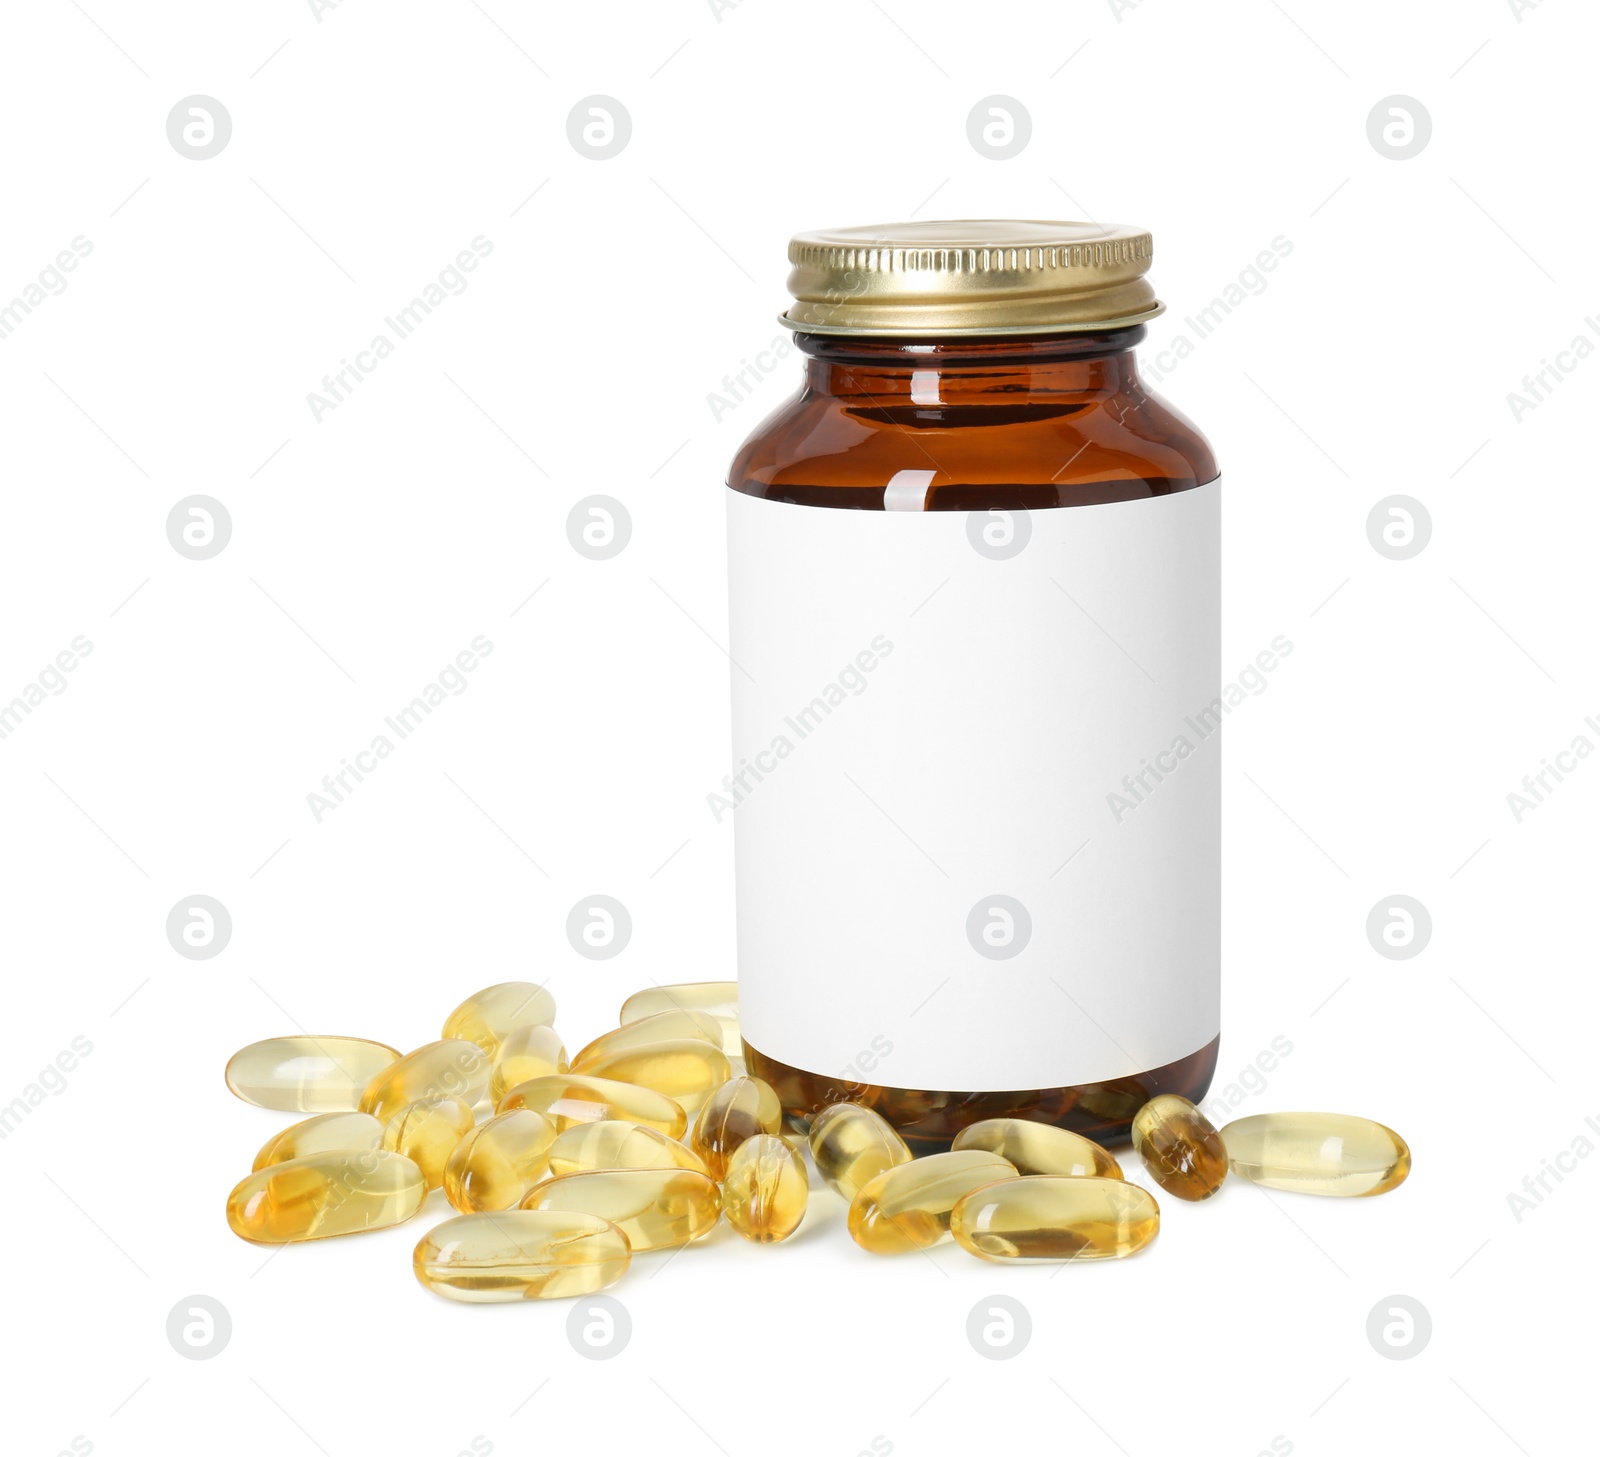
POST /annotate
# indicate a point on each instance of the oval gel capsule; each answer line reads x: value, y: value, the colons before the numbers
x: 1317, y: 1153
x: 307, y: 1074
x: 657, y: 1209
x: 1040, y: 1148
x: 908, y: 1207
x: 740, y: 1109
x: 1179, y: 1147
x: 1056, y: 1217
x: 766, y: 1190
x: 453, y: 1068
x: 528, y: 1052
x: 613, y: 1144
x: 686, y: 1069
x: 323, y: 1133
x: 427, y: 1131
x: 573, y: 1098
x: 487, y: 1017
x: 498, y: 1162
x: 852, y: 1145
x: 326, y: 1194
x: 520, y: 1255
x: 719, y: 999
x: 670, y: 1026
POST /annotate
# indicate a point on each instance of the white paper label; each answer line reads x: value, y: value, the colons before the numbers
x: 976, y: 789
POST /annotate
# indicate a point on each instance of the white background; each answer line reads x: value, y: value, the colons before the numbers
x: 370, y: 146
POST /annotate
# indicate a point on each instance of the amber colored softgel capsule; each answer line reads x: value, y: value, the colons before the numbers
x: 326, y: 1194
x: 498, y: 1162
x: 322, y: 1133
x: 613, y: 1144
x: 852, y: 1145
x: 520, y: 1255
x: 1179, y: 1147
x: 740, y: 1109
x: 719, y: 999
x: 657, y: 1209
x: 766, y: 1190
x: 526, y: 1053
x: 686, y: 1069
x: 1040, y: 1148
x: 487, y: 1017
x: 453, y: 1068
x: 573, y: 1098
x: 908, y: 1207
x: 1317, y: 1153
x: 427, y: 1131
x: 1047, y: 1217
x: 307, y: 1074
x: 669, y: 1026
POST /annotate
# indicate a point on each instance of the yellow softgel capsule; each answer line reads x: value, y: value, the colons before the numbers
x: 1056, y: 1217
x: 427, y: 1131
x: 687, y: 1069
x: 1040, y: 1148
x: 612, y: 1144
x: 908, y: 1207
x: 498, y: 1162
x: 528, y: 1052
x: 307, y: 1074
x: 740, y: 1109
x: 326, y: 1194
x: 520, y: 1255
x: 1317, y: 1153
x: 657, y: 1209
x: 719, y: 999
x: 487, y: 1017
x: 573, y: 1098
x: 453, y: 1068
x: 323, y: 1133
x: 765, y: 1192
x: 1179, y: 1147
x: 658, y: 1027
x: 852, y: 1145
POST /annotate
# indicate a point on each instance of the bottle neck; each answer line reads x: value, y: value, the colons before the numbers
x: 971, y: 371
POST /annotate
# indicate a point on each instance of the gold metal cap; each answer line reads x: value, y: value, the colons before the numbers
x: 973, y: 276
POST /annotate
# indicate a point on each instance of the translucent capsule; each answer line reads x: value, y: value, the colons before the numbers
x: 1051, y: 1217
x: 528, y: 1052
x: 488, y: 1016
x: 307, y: 1074
x: 612, y: 1144
x: 1179, y: 1147
x: 453, y: 1068
x: 852, y: 1145
x: 740, y: 1109
x: 686, y: 1069
x: 718, y: 998
x: 1317, y: 1153
x: 908, y: 1207
x: 324, y: 1133
x: 765, y: 1192
x: 498, y: 1162
x: 520, y: 1255
x: 658, y: 1027
x: 657, y: 1209
x: 1039, y: 1148
x: 427, y: 1131
x: 573, y: 1098
x: 325, y: 1194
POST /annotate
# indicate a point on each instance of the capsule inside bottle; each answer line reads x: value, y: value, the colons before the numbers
x: 321, y: 1133
x: 1054, y: 1217
x: 307, y: 1074
x: 520, y: 1255
x: 1318, y: 1153
x: 1040, y: 1148
x: 656, y: 1209
x: 326, y: 1194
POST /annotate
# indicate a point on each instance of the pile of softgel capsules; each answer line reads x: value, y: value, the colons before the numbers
x: 650, y: 1135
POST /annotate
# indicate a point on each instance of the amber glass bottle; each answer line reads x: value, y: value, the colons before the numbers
x: 974, y: 627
